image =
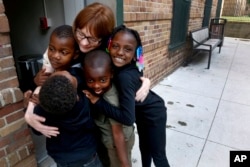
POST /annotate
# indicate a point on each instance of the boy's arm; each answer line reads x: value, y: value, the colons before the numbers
x: 120, y: 143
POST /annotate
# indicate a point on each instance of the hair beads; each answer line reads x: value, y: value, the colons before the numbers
x: 139, y: 58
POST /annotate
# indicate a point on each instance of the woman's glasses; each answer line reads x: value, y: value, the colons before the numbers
x: 80, y: 36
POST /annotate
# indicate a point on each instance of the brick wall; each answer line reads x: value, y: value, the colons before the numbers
x: 234, y: 7
x: 16, y: 147
x: 237, y: 29
x: 153, y: 21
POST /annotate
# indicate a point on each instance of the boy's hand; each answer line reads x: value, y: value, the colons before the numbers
x: 29, y: 96
x: 93, y: 99
x: 34, y: 98
x: 26, y: 98
x: 41, y: 77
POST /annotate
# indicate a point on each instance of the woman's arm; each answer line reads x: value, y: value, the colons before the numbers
x: 142, y: 93
x: 34, y: 120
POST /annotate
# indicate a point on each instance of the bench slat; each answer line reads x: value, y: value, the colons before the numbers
x: 213, y: 42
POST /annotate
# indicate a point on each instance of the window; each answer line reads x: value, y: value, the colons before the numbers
x: 207, y: 11
x: 179, y: 23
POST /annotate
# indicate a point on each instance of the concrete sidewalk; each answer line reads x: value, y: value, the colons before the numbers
x: 208, y: 110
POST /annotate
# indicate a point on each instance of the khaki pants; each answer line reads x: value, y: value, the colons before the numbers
x: 113, y: 156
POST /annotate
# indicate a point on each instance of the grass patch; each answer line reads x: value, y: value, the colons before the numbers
x: 237, y: 19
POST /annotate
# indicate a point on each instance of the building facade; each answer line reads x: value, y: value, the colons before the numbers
x: 152, y: 18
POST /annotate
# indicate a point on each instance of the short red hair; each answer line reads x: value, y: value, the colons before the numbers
x: 97, y: 18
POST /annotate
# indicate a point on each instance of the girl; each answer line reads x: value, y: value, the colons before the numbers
x: 125, y: 49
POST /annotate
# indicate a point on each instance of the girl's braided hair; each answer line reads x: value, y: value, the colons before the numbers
x: 126, y: 29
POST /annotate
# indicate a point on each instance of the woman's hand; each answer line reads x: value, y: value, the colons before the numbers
x: 41, y: 77
x: 142, y: 93
x: 93, y: 99
x: 34, y: 120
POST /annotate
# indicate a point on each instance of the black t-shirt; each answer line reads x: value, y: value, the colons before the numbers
x: 77, y: 138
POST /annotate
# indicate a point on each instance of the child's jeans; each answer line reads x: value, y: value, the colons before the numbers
x: 95, y: 162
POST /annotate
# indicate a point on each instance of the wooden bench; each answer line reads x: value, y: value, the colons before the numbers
x: 202, y: 42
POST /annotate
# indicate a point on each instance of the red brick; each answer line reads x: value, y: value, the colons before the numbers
x: 13, y: 158
x: 7, y: 96
x: 3, y: 162
x: 17, y: 144
x: 7, y: 51
x: 23, y: 153
x: 12, y: 83
x: 14, y: 116
x: 18, y: 94
x: 30, y: 161
x: 4, y: 39
x: 7, y: 62
x: 21, y: 134
x: 31, y: 147
x: 4, y: 24
x: 2, y: 123
x: 10, y: 108
x: 4, y: 141
x: 2, y: 154
x: 2, y: 10
x: 8, y: 73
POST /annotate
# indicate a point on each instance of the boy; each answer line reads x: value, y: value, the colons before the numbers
x: 68, y: 110
x: 62, y: 52
x: 118, y: 138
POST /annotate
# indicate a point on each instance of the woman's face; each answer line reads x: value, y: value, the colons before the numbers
x: 86, y: 41
x: 122, y: 50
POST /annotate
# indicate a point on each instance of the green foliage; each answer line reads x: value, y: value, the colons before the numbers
x: 237, y: 19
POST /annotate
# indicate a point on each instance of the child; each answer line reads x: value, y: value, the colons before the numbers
x: 62, y: 52
x: 126, y: 53
x: 118, y: 138
x: 63, y: 107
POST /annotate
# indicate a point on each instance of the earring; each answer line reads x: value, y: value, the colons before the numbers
x: 139, y: 58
